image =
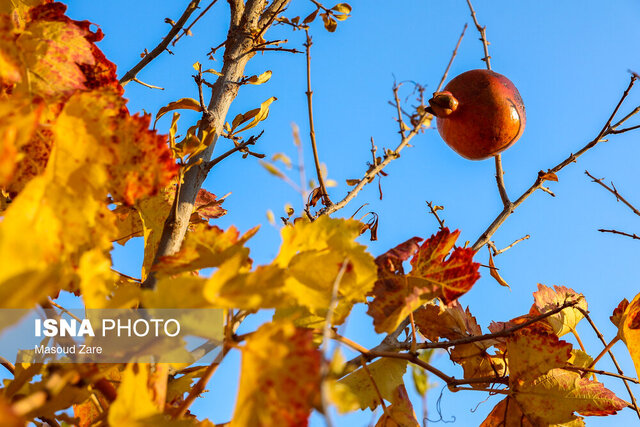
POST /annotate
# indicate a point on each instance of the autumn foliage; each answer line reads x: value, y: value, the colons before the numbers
x: 79, y: 173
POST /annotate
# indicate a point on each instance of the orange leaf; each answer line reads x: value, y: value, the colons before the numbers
x: 532, y: 352
x: 629, y: 330
x: 280, y: 377
x: 618, y: 312
x: 396, y: 294
x: 450, y: 322
x: 400, y: 413
x: 547, y: 299
x: 554, y: 397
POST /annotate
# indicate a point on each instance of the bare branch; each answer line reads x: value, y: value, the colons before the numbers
x: 238, y: 46
x: 423, y: 120
x: 613, y: 190
x: 240, y: 147
x: 434, y: 212
x: 135, y: 79
x: 188, y: 29
x: 453, y: 56
x: 483, y: 36
x: 199, y: 387
x: 500, y: 181
x: 498, y: 252
x: 622, y: 233
x: 312, y: 132
x: 175, y: 29
x: 506, y: 212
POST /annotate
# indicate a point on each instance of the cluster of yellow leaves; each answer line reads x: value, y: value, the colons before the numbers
x: 299, y: 283
x: 68, y: 143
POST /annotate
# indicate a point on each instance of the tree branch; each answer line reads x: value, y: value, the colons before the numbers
x: 238, y: 51
x: 312, y: 132
x: 175, y: 29
x: 621, y: 233
x: 507, y: 211
x: 188, y: 29
x: 613, y: 190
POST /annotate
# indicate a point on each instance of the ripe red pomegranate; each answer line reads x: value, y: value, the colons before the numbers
x: 479, y: 114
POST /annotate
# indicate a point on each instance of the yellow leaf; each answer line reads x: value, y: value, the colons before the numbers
x: 203, y: 247
x: 283, y: 158
x: 256, y: 116
x: 271, y: 217
x: 181, y: 104
x: 273, y: 170
x: 280, y: 377
x: 330, y: 24
x: 342, y: 8
x: 630, y: 330
x: 400, y: 413
x: 387, y: 375
x: 546, y: 299
x: 135, y: 401
x: 313, y: 254
x: 212, y: 71
x: 262, y: 78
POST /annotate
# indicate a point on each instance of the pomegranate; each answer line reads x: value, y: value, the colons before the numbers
x: 479, y: 114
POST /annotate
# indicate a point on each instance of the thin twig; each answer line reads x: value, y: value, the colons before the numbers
x: 423, y: 120
x: 64, y: 310
x: 401, y: 123
x: 8, y: 365
x: 585, y: 313
x: 498, y: 252
x: 455, y: 52
x: 326, y: 338
x: 199, y: 387
x: 188, y: 29
x: 617, y: 131
x: 175, y: 29
x: 243, y: 145
x: 506, y: 212
x: 483, y: 36
x: 613, y: 190
x: 600, y: 372
x: 622, y: 233
x: 434, y: 212
x: 312, y: 132
x: 137, y: 80
x: 500, y: 181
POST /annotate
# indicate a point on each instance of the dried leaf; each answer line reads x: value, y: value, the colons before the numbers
x: 547, y: 176
x: 330, y: 24
x: 400, y: 413
x: 181, y: 104
x: 554, y: 397
x: 396, y: 294
x: 342, y: 8
x: 311, y: 17
x: 547, y: 299
x: 387, y: 375
x: 273, y: 170
x: 493, y: 271
x: 262, y: 78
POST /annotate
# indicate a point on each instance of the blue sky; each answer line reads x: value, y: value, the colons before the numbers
x: 569, y: 61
